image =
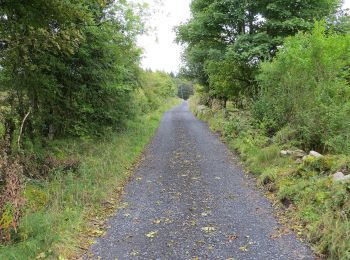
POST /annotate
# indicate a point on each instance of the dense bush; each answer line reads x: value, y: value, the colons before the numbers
x: 155, y: 88
x: 286, y: 84
x: 71, y: 64
x: 226, y: 40
x: 314, y: 205
x: 185, y: 88
x: 67, y: 69
x: 306, y: 87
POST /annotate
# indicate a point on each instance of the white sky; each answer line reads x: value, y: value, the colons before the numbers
x: 160, y: 50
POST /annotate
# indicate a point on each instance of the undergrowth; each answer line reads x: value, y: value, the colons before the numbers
x: 304, y: 188
x: 58, y: 210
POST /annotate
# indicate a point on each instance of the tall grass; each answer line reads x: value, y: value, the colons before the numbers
x: 58, y: 210
x: 304, y: 188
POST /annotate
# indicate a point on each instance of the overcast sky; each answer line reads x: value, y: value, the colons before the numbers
x: 160, y: 50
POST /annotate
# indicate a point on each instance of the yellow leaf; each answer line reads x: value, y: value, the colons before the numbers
x: 243, y: 248
x: 41, y: 255
x: 152, y: 234
x: 208, y: 229
x: 134, y: 253
x: 157, y: 221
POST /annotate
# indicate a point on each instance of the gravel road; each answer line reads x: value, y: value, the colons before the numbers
x: 190, y: 199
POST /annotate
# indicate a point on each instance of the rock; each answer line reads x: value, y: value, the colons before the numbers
x: 339, y: 176
x: 299, y: 161
x: 285, y: 152
x: 305, y: 157
x: 299, y: 153
x: 201, y: 109
x: 294, y: 153
x: 315, y: 154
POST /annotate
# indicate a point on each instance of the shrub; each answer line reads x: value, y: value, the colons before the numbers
x: 11, y: 200
x: 305, y: 86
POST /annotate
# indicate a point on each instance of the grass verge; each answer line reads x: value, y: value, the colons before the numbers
x: 315, y: 206
x: 64, y: 214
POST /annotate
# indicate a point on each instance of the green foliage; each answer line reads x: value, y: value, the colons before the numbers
x: 287, y: 136
x: 306, y: 87
x: 306, y: 189
x: 230, y: 78
x: 35, y: 196
x: 70, y: 69
x: 226, y: 40
x: 72, y: 64
x: 185, y: 88
x: 300, y: 99
x: 155, y: 88
x: 7, y: 216
x: 58, y: 212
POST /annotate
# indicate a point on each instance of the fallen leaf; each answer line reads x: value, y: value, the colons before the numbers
x: 134, y: 253
x: 208, y: 229
x: 97, y: 232
x: 152, y: 234
x: 279, y: 233
x: 157, y: 221
x: 231, y: 196
x: 170, y: 243
x: 205, y: 214
x: 243, y: 248
x: 232, y: 237
x: 168, y: 221
x: 193, y: 222
x: 41, y: 255
x: 123, y: 205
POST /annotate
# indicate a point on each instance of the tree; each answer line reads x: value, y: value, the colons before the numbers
x: 226, y: 40
x: 185, y: 88
x: 73, y: 64
x: 306, y: 87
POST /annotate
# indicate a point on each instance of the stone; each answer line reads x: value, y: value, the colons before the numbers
x: 299, y: 161
x: 305, y: 157
x: 285, y: 152
x: 201, y: 109
x: 299, y: 153
x: 339, y: 176
x: 294, y: 153
x: 315, y: 154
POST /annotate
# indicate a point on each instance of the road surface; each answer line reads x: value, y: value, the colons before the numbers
x: 190, y: 199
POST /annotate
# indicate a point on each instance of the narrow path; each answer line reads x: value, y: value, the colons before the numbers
x: 190, y: 200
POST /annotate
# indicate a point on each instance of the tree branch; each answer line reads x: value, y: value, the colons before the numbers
x: 21, y: 130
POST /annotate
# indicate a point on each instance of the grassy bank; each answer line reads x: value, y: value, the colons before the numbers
x: 315, y: 205
x: 62, y: 214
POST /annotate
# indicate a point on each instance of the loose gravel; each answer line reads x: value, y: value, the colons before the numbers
x: 190, y: 199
